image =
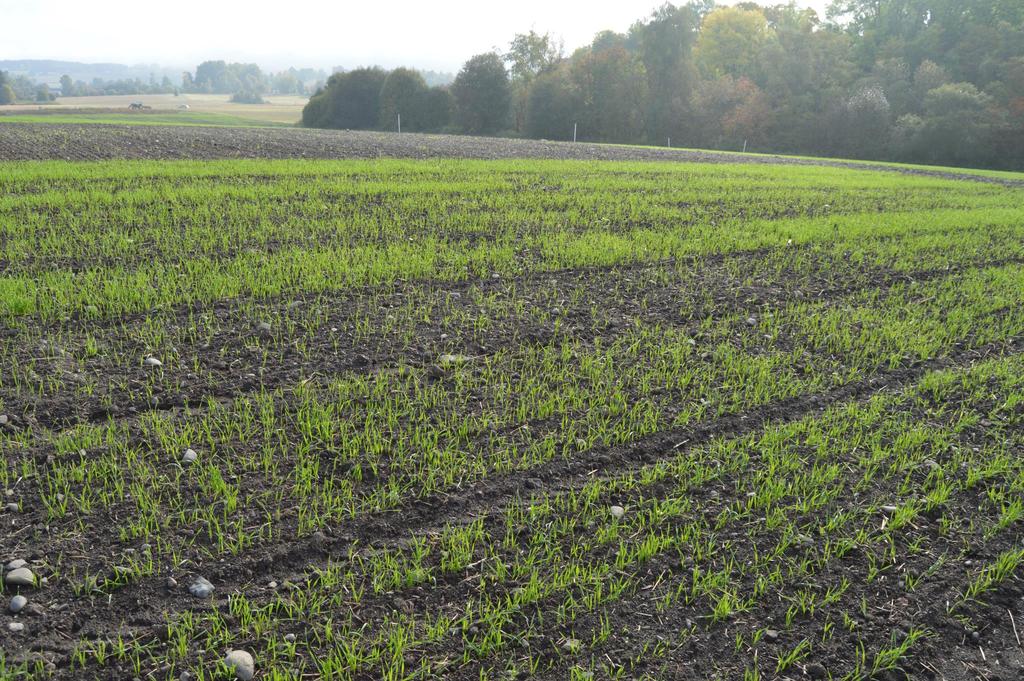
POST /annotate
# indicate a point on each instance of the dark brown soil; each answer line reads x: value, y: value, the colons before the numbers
x: 144, y: 604
x: 221, y: 357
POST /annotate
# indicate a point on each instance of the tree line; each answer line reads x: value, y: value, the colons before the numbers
x: 21, y: 89
x: 931, y: 81
x: 247, y: 82
x: 244, y: 82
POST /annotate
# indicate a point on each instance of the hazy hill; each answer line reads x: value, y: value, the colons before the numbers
x: 50, y: 70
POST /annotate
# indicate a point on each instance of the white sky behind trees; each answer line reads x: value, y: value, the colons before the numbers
x: 439, y: 34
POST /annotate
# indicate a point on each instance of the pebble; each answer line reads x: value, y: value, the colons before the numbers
x: 201, y: 588
x: 751, y: 321
x: 152, y: 362
x: 451, y: 360
x: 571, y: 645
x: 889, y: 510
x: 289, y: 638
x: 16, y: 563
x: 242, y: 664
x: 171, y: 583
x: 815, y: 670
x: 15, y: 627
x: 617, y: 512
x: 771, y: 635
x: 12, y: 507
x: 20, y: 576
x: 18, y: 603
x: 190, y: 456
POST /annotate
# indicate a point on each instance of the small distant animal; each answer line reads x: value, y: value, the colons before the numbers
x: 135, y: 106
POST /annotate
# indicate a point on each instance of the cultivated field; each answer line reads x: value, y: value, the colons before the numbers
x: 500, y: 419
x: 277, y: 109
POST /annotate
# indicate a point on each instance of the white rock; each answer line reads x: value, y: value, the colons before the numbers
x: 452, y: 360
x: 201, y: 588
x: 15, y: 627
x: 190, y: 456
x: 12, y: 508
x: 152, y: 362
x: 18, y: 604
x: 21, y: 576
x: 242, y: 664
x: 16, y: 563
x: 617, y: 512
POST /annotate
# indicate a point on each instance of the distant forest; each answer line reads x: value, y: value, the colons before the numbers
x: 37, y: 80
x: 930, y: 81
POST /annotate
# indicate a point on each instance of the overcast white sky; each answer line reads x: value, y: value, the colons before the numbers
x: 433, y: 35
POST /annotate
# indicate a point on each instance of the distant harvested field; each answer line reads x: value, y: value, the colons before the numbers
x: 85, y: 142
x: 124, y: 117
x: 278, y: 109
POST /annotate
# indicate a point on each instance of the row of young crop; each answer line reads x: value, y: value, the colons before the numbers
x: 365, y: 443
x: 118, y: 247
x: 709, y: 535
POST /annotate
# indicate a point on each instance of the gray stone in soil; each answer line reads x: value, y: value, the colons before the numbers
x: 190, y: 456
x: 152, y: 362
x: 452, y: 360
x: 201, y: 588
x: 12, y: 508
x: 15, y: 627
x: 242, y: 664
x: 18, y: 604
x: 16, y: 563
x: 889, y: 510
x: 815, y: 670
x: 21, y: 576
x: 618, y: 512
